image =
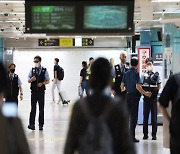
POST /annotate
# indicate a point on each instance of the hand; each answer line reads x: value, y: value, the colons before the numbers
x: 113, y: 92
x: 148, y: 94
x: 40, y: 84
x: 21, y: 97
x: 33, y: 78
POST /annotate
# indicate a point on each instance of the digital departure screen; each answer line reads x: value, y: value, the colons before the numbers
x: 105, y: 17
x: 53, y: 17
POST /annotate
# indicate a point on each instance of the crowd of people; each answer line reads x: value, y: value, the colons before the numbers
x: 99, y: 122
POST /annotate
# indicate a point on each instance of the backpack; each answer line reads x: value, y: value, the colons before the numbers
x: 97, y: 138
x: 175, y: 114
x: 60, y: 73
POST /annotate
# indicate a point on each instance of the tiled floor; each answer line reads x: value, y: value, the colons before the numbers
x: 51, y: 139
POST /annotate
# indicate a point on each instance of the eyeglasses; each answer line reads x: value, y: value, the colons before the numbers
x: 36, y: 61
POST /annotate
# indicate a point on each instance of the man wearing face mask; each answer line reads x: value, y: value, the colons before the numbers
x: 150, y: 82
x: 117, y: 72
x: 38, y: 77
x: 14, y: 86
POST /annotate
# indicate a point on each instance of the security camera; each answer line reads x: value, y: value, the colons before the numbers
x: 2, y: 29
x: 6, y: 14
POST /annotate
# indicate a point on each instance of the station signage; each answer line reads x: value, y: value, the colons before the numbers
x: 66, y: 42
x: 48, y: 42
x: 143, y: 54
x: 87, y: 42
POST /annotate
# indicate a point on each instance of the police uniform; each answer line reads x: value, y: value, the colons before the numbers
x: 130, y: 79
x: 13, y: 88
x: 117, y: 72
x: 150, y: 83
x: 37, y: 94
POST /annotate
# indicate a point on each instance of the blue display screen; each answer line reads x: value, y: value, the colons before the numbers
x: 105, y: 17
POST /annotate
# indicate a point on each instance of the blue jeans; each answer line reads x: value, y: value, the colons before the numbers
x: 84, y: 86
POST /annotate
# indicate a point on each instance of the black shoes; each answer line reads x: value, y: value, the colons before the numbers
x: 32, y: 127
x: 145, y: 137
x: 154, y: 138
x: 65, y: 102
x: 135, y: 140
x: 40, y: 127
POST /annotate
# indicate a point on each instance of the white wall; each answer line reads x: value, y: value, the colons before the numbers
x: 70, y: 60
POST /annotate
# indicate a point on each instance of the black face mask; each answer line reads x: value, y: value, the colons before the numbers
x: 12, y: 70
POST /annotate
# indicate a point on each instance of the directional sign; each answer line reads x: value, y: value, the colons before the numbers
x: 66, y: 42
x: 50, y: 42
x: 87, y: 42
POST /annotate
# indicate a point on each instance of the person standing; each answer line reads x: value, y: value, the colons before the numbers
x: 129, y: 81
x: 117, y: 72
x: 91, y: 61
x: 83, y: 81
x: 38, y: 77
x: 150, y: 82
x: 14, y: 86
x: 57, y: 81
x: 171, y: 92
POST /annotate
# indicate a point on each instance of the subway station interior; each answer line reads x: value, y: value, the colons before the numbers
x: 76, y: 31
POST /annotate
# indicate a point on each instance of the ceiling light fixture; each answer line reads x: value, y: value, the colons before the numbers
x: 13, y: 1
x: 168, y: 1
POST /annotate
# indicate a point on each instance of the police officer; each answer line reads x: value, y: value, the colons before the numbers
x: 117, y: 72
x: 14, y: 86
x: 150, y: 82
x: 38, y: 77
x: 129, y: 81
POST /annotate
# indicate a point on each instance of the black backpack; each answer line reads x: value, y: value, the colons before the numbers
x: 97, y: 138
x: 175, y: 114
x: 60, y: 73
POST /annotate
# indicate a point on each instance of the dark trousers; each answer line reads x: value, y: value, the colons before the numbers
x: 37, y: 97
x: 84, y: 86
x: 174, y: 146
x: 12, y: 99
x: 132, y: 100
x: 150, y: 105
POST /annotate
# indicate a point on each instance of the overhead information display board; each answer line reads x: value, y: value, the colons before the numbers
x: 53, y: 17
x: 95, y: 17
x: 105, y: 17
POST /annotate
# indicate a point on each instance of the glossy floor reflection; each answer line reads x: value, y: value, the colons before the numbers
x: 51, y: 139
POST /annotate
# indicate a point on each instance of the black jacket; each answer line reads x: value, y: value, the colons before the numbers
x: 117, y: 122
x: 13, y: 87
x: 39, y: 79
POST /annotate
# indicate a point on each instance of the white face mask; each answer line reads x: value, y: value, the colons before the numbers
x: 149, y: 68
x: 36, y: 64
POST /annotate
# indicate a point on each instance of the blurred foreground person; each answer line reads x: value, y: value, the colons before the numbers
x: 171, y: 92
x: 98, y: 123
x: 13, y: 140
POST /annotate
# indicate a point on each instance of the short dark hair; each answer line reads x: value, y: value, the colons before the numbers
x: 91, y: 58
x: 84, y: 63
x: 57, y: 60
x: 11, y: 65
x: 134, y: 61
x: 3, y: 78
x: 37, y: 57
x: 149, y: 60
x: 100, y: 74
